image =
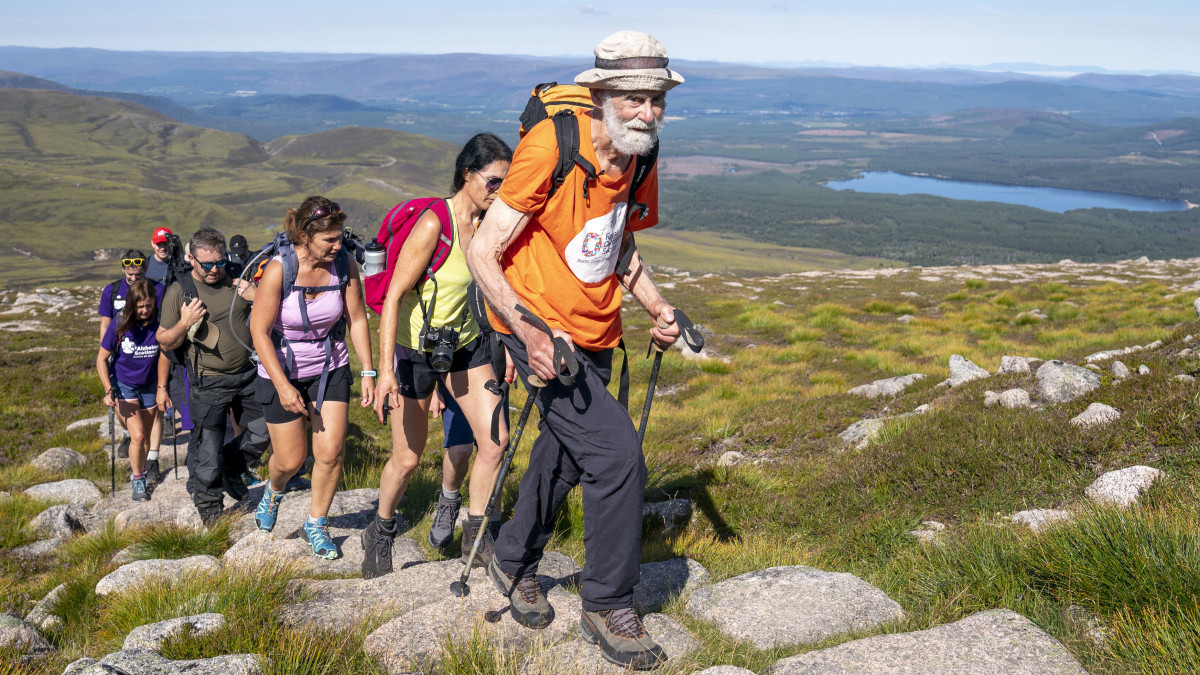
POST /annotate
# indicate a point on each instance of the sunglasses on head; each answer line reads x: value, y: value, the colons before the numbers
x: 207, y: 266
x: 324, y: 212
x: 133, y: 262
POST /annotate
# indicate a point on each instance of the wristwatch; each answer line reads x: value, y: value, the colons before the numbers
x: 369, y: 373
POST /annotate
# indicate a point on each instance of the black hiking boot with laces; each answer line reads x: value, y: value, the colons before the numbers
x: 622, y: 638
x: 441, y: 532
x: 377, y: 548
x: 526, y: 601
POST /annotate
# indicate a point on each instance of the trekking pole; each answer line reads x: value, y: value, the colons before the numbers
x: 174, y: 444
x: 112, y: 437
x: 460, y: 588
x: 694, y: 340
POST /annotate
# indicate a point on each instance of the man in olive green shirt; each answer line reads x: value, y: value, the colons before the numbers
x: 198, y: 317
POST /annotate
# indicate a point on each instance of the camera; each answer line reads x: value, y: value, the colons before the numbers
x: 442, y: 342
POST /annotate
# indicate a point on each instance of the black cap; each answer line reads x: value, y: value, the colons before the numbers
x: 238, y: 244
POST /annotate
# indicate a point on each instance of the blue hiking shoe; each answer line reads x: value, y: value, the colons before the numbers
x: 267, y: 511
x: 317, y: 535
x: 138, y: 486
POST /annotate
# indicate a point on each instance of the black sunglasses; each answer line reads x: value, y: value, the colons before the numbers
x: 207, y: 266
x: 324, y: 212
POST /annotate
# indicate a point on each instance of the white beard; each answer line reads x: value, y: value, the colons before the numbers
x: 634, y: 137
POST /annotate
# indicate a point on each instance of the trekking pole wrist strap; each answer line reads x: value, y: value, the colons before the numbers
x: 565, y: 365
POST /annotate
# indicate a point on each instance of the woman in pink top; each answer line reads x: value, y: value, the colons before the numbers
x: 304, y: 370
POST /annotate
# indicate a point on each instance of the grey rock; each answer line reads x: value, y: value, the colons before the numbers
x: 990, y: 398
x: 1143, y: 369
x: 1107, y: 354
x: 63, y: 520
x: 351, y: 510
x: 579, y: 657
x: 1015, y: 364
x: 1183, y: 377
x: 1060, y: 382
x: 995, y: 642
x: 89, y: 422
x: 725, y: 670
x: 413, y: 641
x: 1014, y: 398
x: 730, y: 458
x: 792, y: 606
x: 37, y: 548
x: 1119, y: 370
x: 860, y: 434
x: 336, y: 603
x: 664, y: 580
x: 669, y: 514
x: 929, y: 531
x: 962, y: 371
x: 1096, y: 415
x: 1040, y: 519
x: 58, y: 459
x: 42, y: 615
x: 1196, y: 306
x: 259, y: 550
x: 905, y: 318
x: 1186, y: 351
x: 1123, y: 487
x: 134, y: 574
x: 1154, y: 345
x: 142, y: 662
x: 152, y: 636
x: 72, y: 491
x: 22, y: 636
x: 889, y: 387
x: 1032, y: 315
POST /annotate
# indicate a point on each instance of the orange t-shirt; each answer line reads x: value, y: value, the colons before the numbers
x: 562, y: 264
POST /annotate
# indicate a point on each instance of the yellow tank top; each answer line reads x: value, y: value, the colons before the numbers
x: 449, y: 304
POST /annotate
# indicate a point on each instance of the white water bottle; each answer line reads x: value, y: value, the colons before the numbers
x: 375, y: 258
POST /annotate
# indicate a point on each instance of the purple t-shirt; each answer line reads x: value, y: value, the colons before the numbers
x: 112, y: 298
x: 137, y: 354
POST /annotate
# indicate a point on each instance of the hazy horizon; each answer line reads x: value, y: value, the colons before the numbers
x: 1155, y: 36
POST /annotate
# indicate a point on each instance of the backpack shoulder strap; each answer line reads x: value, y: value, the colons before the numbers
x: 445, y: 242
x: 112, y: 295
x: 566, y: 134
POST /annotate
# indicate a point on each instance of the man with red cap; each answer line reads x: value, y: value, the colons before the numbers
x: 553, y: 252
x: 156, y: 268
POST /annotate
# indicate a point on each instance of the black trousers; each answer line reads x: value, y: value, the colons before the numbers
x: 209, y: 458
x: 585, y: 438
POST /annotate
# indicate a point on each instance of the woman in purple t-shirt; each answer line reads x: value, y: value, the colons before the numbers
x: 304, y: 369
x: 129, y: 352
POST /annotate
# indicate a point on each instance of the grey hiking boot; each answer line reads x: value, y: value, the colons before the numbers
x: 377, y: 548
x: 123, y: 449
x: 441, y: 533
x: 526, y: 601
x: 153, y: 474
x: 622, y: 638
x: 487, y: 545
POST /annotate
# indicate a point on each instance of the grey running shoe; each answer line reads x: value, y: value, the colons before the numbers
x: 377, y: 548
x: 487, y: 545
x: 622, y: 638
x: 123, y: 449
x: 441, y: 533
x: 139, y: 490
x: 526, y: 601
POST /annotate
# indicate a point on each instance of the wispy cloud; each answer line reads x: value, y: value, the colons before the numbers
x: 588, y: 9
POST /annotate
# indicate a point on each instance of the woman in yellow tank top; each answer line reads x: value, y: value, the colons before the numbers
x: 430, y: 334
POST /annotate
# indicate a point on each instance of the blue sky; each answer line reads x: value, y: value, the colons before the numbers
x: 1156, y: 35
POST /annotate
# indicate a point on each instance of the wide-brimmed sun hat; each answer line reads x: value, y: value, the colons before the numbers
x: 630, y: 61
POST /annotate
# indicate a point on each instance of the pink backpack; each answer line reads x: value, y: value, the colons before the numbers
x: 394, y: 230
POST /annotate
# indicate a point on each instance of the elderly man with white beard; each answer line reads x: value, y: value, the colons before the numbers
x: 546, y: 258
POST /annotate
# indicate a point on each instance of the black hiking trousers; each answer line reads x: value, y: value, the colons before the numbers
x: 209, y: 458
x: 587, y: 438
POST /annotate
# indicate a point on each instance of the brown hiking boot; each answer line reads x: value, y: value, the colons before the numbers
x: 622, y: 638
x: 487, y: 545
x: 526, y: 601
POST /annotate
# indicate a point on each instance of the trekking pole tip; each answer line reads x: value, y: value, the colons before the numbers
x: 460, y: 589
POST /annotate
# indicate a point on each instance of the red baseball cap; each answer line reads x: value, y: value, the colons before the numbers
x: 160, y: 235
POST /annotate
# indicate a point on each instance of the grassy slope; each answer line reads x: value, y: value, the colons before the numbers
x: 794, y: 345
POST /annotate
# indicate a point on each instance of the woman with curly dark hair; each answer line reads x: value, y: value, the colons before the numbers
x: 304, y: 370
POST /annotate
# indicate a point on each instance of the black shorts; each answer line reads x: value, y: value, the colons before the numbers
x: 337, y: 389
x: 415, y: 374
